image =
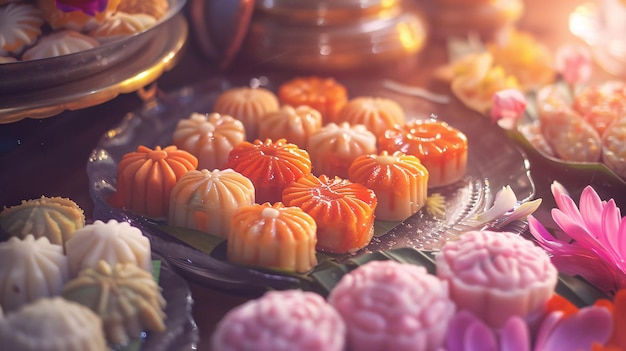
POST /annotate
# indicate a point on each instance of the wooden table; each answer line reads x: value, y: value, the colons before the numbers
x: 48, y: 157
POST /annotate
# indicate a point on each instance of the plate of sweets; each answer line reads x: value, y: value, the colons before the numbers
x: 310, y: 173
x: 69, y: 284
x: 546, y: 100
x: 45, y: 43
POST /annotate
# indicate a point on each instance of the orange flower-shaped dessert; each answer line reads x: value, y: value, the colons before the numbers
x: 272, y: 236
x: 209, y: 137
x: 343, y: 211
x: 247, y: 105
x: 271, y: 166
x: 376, y: 113
x: 323, y: 94
x: 399, y: 181
x: 439, y: 146
x: 146, y: 177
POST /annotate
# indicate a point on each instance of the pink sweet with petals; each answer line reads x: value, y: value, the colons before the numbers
x: 574, y: 63
x: 508, y: 107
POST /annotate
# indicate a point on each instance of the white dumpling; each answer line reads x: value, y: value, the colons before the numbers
x: 52, y: 324
x: 30, y: 269
x: 113, y: 242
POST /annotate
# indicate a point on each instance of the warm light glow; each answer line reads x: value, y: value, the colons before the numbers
x: 407, y: 37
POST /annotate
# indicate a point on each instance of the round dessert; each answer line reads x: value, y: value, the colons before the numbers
x: 281, y: 321
x: 30, y: 269
x: 271, y: 166
x: 52, y: 324
x: 121, y: 25
x: 125, y: 296
x: 601, y: 105
x: 146, y: 177
x: 295, y: 124
x: 388, y: 305
x: 20, y: 26
x: 441, y: 148
x: 154, y: 8
x: 570, y: 136
x: 343, y: 211
x: 496, y: 275
x: 335, y: 146
x: 205, y: 200
x: 377, y: 113
x: 75, y: 20
x: 209, y: 137
x: 55, y: 218
x: 326, y: 95
x: 248, y: 105
x: 614, y: 148
x: 399, y: 181
x: 273, y: 236
x: 113, y: 241
x: 59, y: 43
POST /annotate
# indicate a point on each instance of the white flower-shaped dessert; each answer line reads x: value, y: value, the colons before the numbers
x: 52, y: 324
x: 30, y: 269
x: 113, y: 241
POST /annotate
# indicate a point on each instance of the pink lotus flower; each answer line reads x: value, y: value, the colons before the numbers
x: 574, y: 63
x: 89, y: 7
x: 594, y: 239
x: 508, y: 107
x: 567, y: 328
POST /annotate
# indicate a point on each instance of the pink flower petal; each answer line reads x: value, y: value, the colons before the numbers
x: 509, y: 105
x: 546, y: 328
x: 479, y: 337
x: 579, y: 331
x: 590, y: 209
x: 574, y: 63
x: 558, y: 191
x: 514, y: 335
x: 457, y: 328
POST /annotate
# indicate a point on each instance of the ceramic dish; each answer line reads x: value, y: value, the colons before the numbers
x: 489, y: 170
x: 182, y: 332
x: 159, y: 55
x: 22, y: 76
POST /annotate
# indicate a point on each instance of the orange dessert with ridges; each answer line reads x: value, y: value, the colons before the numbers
x: 335, y: 146
x: 323, y: 94
x: 209, y: 137
x: 399, y: 181
x: 343, y: 211
x: 247, y: 105
x: 441, y: 148
x: 205, y: 200
x: 146, y: 177
x: 295, y: 124
x: 274, y: 236
x: 271, y: 166
x: 377, y: 113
